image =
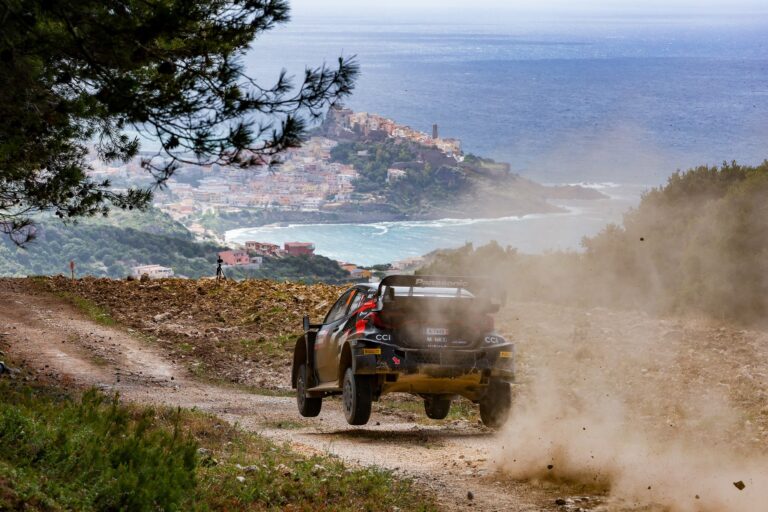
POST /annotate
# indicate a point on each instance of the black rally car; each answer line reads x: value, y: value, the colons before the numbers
x: 429, y: 336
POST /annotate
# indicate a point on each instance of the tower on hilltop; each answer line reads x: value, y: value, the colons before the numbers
x: 435, y: 134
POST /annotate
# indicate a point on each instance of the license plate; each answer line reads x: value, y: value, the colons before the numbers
x: 436, y: 331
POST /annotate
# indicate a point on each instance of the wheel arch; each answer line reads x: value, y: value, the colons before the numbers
x: 301, y: 353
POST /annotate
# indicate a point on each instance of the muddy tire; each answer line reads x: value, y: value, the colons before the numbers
x: 309, y: 407
x: 495, y: 405
x: 437, y: 406
x: 357, y: 395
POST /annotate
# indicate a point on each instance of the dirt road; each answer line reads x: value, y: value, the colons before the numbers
x: 55, y: 339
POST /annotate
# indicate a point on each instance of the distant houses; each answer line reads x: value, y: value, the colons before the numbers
x: 252, y: 256
x: 253, y: 253
x: 151, y: 271
x: 299, y: 248
x: 240, y: 259
x: 355, y: 272
x: 263, y: 249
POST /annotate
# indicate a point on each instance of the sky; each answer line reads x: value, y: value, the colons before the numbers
x: 488, y: 9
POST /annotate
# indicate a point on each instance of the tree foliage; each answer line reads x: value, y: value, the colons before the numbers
x: 102, y: 72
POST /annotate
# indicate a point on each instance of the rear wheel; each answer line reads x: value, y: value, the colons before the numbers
x: 309, y: 407
x: 357, y: 395
x: 495, y: 404
x: 437, y: 406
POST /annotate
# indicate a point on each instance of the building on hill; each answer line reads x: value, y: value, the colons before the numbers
x: 151, y: 271
x: 263, y: 249
x: 299, y: 248
x: 235, y: 257
x: 395, y: 174
x: 355, y: 272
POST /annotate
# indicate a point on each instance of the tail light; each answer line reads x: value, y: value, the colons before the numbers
x: 367, y: 316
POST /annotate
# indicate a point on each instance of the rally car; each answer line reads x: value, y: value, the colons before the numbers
x: 429, y: 336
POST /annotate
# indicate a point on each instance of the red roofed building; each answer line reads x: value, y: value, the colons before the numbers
x: 262, y: 248
x: 299, y: 248
x: 235, y: 257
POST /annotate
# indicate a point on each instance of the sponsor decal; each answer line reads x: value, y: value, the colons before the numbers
x: 492, y: 340
x: 437, y: 331
x: 442, y: 283
x: 505, y: 354
x: 396, y: 360
x: 383, y: 337
x: 372, y: 351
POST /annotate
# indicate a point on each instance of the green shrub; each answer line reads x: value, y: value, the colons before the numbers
x: 92, y: 454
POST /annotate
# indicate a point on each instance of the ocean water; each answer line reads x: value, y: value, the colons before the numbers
x: 609, y: 99
x: 625, y: 100
x: 383, y: 242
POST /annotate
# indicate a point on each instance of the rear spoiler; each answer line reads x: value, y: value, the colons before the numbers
x: 476, y: 285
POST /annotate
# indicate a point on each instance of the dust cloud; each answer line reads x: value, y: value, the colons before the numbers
x: 635, y: 373
x: 661, y: 413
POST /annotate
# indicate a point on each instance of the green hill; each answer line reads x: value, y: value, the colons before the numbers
x: 110, y: 246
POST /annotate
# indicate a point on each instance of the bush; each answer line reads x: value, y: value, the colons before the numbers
x: 92, y: 454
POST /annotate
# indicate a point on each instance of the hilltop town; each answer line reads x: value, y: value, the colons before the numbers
x: 356, y: 167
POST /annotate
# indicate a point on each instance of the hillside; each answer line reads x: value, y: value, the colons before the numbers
x: 110, y: 246
x: 421, y: 182
x: 698, y: 245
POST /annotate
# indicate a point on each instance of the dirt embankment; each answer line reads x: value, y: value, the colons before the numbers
x: 242, y: 332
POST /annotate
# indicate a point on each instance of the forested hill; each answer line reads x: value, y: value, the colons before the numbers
x: 421, y: 181
x: 110, y: 246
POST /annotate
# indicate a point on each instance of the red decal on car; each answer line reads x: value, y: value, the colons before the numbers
x: 396, y: 360
x: 360, y: 326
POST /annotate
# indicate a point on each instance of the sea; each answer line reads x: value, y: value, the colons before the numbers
x: 615, y: 102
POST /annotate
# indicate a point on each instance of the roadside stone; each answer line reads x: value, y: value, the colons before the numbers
x: 284, y: 470
x: 161, y: 317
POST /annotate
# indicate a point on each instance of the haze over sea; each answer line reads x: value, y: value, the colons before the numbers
x: 595, y: 98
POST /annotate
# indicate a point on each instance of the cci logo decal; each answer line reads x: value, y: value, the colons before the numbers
x: 492, y: 340
x: 383, y: 337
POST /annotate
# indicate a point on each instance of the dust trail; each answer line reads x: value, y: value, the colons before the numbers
x: 647, y: 412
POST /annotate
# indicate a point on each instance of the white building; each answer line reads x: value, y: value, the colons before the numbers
x: 152, y: 271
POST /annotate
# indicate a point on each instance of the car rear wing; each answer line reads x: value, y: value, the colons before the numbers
x: 478, y: 286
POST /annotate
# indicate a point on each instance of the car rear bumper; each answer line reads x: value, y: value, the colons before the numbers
x: 493, y: 361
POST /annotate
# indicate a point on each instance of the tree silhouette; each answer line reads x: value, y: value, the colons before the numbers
x: 103, y: 72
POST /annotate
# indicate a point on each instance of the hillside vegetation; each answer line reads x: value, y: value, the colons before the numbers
x: 110, y: 246
x: 699, y: 244
x: 91, y: 453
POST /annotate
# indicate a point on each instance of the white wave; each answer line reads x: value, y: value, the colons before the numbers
x: 384, y: 228
x: 596, y: 186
